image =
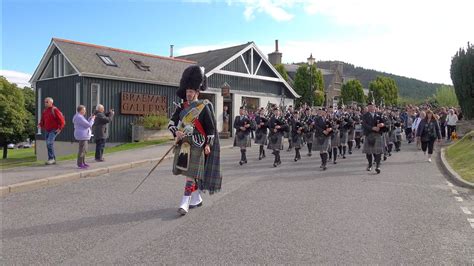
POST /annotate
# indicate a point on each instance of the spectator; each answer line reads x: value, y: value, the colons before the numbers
x: 427, y: 132
x: 442, y: 121
x: 101, y: 130
x: 416, y: 123
x: 52, y: 121
x: 451, y: 122
x: 82, y: 133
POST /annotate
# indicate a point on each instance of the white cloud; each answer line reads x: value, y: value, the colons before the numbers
x: 274, y: 8
x: 21, y: 79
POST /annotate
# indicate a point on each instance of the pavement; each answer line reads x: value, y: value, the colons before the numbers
x: 27, y: 178
x: 292, y: 214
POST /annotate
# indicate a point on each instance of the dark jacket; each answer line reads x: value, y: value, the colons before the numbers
x: 321, y: 125
x: 368, y: 122
x: 241, y: 121
x: 428, y: 131
x: 101, y: 125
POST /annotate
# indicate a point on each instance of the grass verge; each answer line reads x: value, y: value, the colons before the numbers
x: 27, y: 157
x: 460, y: 156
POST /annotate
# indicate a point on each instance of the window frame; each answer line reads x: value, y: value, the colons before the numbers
x: 107, y: 60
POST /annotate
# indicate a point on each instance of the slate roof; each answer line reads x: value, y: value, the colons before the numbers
x: 211, y: 59
x: 84, y: 57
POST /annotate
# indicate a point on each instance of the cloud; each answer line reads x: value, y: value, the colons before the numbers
x: 274, y: 8
x: 19, y: 78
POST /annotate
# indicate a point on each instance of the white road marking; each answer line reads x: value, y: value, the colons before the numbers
x: 455, y: 192
x: 449, y: 184
x: 466, y: 210
x: 458, y: 199
x: 471, y: 221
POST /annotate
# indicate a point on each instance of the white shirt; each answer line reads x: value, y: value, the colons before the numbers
x: 451, y: 120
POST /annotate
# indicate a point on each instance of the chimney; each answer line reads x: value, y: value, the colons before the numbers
x: 171, y: 50
x: 275, y: 57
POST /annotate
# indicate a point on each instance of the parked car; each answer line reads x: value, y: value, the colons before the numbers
x: 11, y: 146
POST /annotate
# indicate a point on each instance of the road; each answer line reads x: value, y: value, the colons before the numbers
x: 293, y: 214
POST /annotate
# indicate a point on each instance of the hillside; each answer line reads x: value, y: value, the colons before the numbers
x: 408, y: 87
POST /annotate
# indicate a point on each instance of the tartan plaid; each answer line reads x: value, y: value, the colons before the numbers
x: 308, y: 137
x: 261, y: 138
x: 242, y: 142
x: 195, y: 164
x: 335, y: 139
x: 344, y: 137
x: 351, y: 134
x: 275, y: 141
x: 321, y: 143
x: 297, y: 140
x: 377, y: 148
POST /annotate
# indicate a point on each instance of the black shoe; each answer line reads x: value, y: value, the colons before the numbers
x: 296, y: 159
x: 334, y: 162
x: 324, y: 168
x: 321, y: 166
x: 279, y: 162
x: 377, y: 170
x: 385, y: 157
x: 245, y: 161
x: 275, y: 164
x: 350, y: 152
x: 369, y: 168
x: 263, y: 156
x: 259, y: 157
x: 309, y: 154
x: 343, y: 157
x: 241, y: 162
x: 389, y: 154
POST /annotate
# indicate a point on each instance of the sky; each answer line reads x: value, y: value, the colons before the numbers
x: 413, y: 38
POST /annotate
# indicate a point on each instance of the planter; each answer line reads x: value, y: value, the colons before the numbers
x: 153, y: 134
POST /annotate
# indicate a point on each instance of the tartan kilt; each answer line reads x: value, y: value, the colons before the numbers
x: 392, y: 137
x: 377, y: 147
x: 344, y: 137
x: 297, y: 141
x: 321, y: 143
x: 308, y: 137
x: 398, y: 134
x: 261, y: 138
x: 275, y: 141
x: 242, y: 142
x: 335, y: 140
x: 196, y: 165
x: 351, y: 135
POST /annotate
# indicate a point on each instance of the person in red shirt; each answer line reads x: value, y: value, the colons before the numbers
x: 52, y: 121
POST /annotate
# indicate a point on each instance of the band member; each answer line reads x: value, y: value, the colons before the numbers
x: 358, y: 131
x: 335, y: 140
x: 373, y: 126
x: 398, y: 132
x: 322, y: 137
x: 308, y: 135
x: 261, y: 132
x: 297, y: 128
x: 197, y: 152
x: 350, y: 132
x: 287, y: 134
x: 242, y: 125
x: 277, y: 126
x: 344, y: 127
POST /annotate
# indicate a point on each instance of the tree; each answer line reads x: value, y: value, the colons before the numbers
x: 462, y: 75
x: 353, y: 91
x: 309, y: 85
x: 29, y: 95
x: 12, y: 114
x: 446, y: 96
x: 281, y: 69
x: 384, y: 91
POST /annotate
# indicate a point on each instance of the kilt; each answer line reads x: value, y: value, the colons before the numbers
x: 321, y: 143
x: 242, y: 140
x: 385, y: 139
x: 351, y: 135
x: 373, y: 148
x: 275, y: 141
x: 297, y: 140
x: 196, y: 165
x: 358, y: 131
x: 335, y: 140
x: 308, y: 137
x: 261, y: 137
x: 392, y: 137
x: 344, y: 137
x: 398, y: 134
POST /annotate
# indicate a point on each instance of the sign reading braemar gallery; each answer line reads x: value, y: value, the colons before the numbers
x: 142, y: 104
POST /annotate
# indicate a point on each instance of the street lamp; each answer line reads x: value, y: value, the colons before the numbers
x: 310, y: 63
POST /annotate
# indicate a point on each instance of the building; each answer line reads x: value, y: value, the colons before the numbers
x: 135, y: 83
x: 333, y: 77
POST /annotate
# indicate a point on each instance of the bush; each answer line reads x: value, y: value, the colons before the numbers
x: 152, y: 121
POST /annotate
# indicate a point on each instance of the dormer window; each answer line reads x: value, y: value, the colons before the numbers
x: 107, y: 60
x: 140, y: 65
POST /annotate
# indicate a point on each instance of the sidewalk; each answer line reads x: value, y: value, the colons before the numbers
x: 31, y: 177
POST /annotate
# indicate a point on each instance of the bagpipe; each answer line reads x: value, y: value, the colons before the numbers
x: 280, y: 121
x: 243, y: 123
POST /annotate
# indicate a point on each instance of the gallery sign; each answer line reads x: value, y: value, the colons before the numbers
x: 142, y: 104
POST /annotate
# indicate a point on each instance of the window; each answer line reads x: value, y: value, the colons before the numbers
x: 95, y: 95
x: 140, y: 65
x: 107, y: 60
x: 78, y: 94
x: 39, y: 101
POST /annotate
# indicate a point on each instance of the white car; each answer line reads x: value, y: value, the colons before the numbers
x: 11, y: 146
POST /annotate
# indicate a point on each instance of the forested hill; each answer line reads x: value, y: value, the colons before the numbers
x: 408, y: 87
